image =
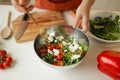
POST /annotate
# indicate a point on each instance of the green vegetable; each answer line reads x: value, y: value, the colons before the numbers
x: 106, y: 27
x: 47, y: 57
x: 67, y: 58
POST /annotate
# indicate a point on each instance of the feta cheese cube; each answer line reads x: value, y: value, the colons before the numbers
x: 52, y: 33
x: 60, y: 38
x: 56, y: 52
x: 49, y: 51
x: 55, y: 41
x: 73, y: 48
x: 50, y: 38
x: 64, y: 43
x: 75, y: 57
x: 65, y: 50
x: 80, y: 48
x: 76, y: 46
x: 75, y: 42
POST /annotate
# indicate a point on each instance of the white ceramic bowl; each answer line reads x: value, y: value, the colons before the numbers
x: 70, y: 31
x: 102, y: 42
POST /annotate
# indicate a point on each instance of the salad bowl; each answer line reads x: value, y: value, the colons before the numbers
x: 105, y: 28
x: 63, y: 48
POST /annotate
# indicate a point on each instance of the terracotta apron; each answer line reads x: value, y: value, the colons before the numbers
x: 57, y: 4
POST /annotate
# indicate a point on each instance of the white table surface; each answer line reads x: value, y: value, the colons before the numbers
x: 27, y: 66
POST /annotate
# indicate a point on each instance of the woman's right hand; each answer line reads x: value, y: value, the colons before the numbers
x: 22, y: 5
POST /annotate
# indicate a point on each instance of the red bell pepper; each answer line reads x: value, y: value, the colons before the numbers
x: 109, y: 63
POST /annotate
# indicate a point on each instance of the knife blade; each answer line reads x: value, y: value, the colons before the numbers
x: 22, y: 27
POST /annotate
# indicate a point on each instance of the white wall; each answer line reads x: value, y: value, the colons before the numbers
x: 106, y: 5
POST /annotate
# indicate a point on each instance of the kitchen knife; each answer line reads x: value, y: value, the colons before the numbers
x: 22, y: 27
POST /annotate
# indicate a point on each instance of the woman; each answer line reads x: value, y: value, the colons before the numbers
x: 82, y: 8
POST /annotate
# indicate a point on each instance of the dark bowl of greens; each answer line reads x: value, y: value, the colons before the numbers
x: 105, y: 28
x: 63, y: 48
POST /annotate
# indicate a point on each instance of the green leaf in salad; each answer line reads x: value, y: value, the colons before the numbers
x: 76, y: 60
x: 78, y: 51
x: 67, y: 58
x: 47, y: 57
x: 84, y: 47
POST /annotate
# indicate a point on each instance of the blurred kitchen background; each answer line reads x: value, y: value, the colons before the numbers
x: 98, y: 5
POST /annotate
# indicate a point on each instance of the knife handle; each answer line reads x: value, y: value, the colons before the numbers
x: 25, y: 17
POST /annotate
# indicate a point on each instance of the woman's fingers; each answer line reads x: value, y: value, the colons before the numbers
x: 22, y: 5
x: 77, y: 21
x: 30, y: 7
x: 22, y: 2
x: 18, y: 4
x: 84, y: 23
x: 20, y: 9
x: 14, y: 2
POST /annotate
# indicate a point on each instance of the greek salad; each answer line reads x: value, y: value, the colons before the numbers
x: 62, y: 50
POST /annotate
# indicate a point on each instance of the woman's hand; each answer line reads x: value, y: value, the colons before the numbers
x: 82, y: 15
x: 22, y: 5
x: 82, y: 18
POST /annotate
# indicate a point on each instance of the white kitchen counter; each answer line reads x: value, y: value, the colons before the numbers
x: 27, y: 66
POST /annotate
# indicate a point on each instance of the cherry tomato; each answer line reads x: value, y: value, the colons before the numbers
x: 1, y: 66
x: 5, y: 61
x: 59, y: 57
x: 59, y: 46
x: 3, y: 57
x: 50, y: 46
x: 6, y: 64
x: 55, y: 63
x: 42, y: 51
x: 61, y: 53
x: 9, y: 59
x: 3, y: 52
x: 60, y: 63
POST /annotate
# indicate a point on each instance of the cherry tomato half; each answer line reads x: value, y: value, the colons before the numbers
x: 3, y: 52
x: 50, y: 46
x: 42, y: 51
x: 60, y: 63
x: 6, y: 64
x: 61, y: 53
x: 1, y: 66
x: 9, y: 59
x: 59, y: 46
x: 59, y: 57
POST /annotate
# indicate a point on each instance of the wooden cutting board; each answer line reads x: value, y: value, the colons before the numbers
x: 44, y: 19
